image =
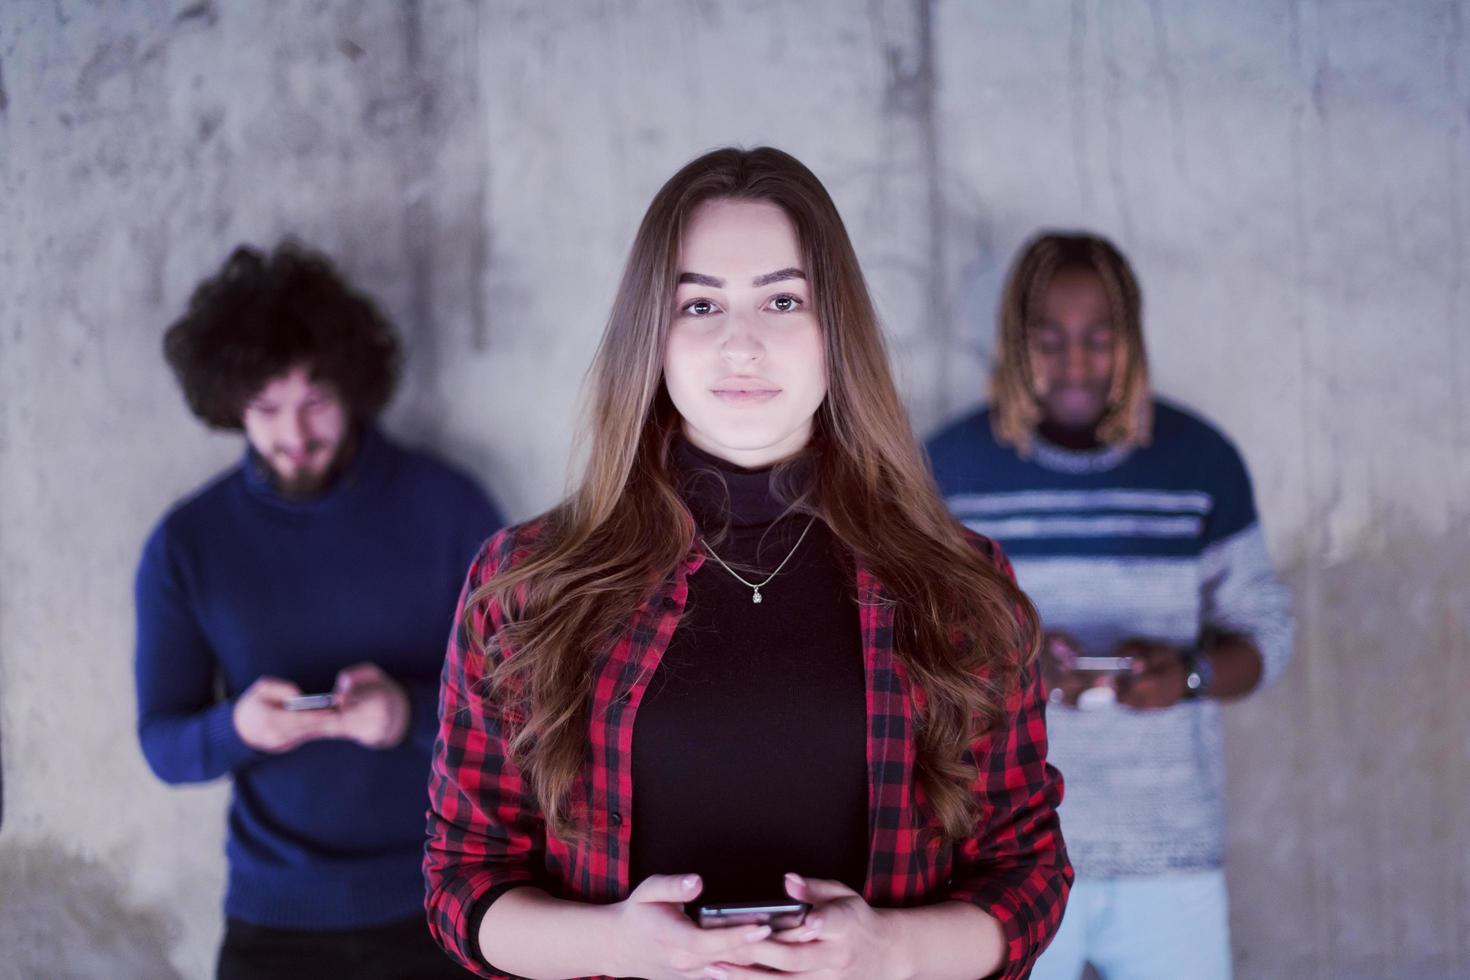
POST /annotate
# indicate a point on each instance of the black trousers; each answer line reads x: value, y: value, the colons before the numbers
x: 401, y: 950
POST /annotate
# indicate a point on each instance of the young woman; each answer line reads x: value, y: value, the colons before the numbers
x: 751, y: 656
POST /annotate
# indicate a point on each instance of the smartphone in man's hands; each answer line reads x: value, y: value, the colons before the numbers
x: 310, y: 702
x: 1103, y: 665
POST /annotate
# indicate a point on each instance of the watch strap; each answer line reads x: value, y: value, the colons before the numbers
x: 1199, y: 673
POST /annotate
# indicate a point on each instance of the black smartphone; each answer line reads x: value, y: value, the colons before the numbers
x: 777, y: 915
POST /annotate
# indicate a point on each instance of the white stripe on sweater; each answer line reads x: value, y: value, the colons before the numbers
x: 1159, y: 501
x: 1118, y: 526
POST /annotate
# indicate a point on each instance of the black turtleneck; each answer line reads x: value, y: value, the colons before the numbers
x: 749, y: 749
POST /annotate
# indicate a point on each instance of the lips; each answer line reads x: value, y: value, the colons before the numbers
x: 744, y: 391
x: 301, y: 458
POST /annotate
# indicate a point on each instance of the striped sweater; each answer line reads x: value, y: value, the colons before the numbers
x: 1161, y: 543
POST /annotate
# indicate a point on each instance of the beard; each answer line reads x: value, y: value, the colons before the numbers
x: 307, y: 483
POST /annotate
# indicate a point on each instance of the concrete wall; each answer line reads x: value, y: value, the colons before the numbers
x: 1292, y: 179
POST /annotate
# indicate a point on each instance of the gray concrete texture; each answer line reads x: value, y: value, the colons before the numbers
x: 1289, y: 176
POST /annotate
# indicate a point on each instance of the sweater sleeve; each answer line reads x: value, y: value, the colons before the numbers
x: 423, y: 712
x: 481, y: 520
x: 486, y: 831
x: 187, y: 734
x: 1240, y: 591
x: 1015, y: 866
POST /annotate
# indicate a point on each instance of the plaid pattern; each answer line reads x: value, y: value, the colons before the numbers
x: 486, y: 831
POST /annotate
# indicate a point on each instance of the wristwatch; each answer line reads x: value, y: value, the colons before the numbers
x: 1198, y: 673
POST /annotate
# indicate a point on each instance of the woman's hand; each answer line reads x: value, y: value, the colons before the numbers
x: 655, y: 939
x: 843, y: 936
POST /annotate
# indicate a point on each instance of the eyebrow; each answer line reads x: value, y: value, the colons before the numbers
x: 696, y: 279
x: 778, y: 276
x: 1054, y: 325
x: 714, y: 282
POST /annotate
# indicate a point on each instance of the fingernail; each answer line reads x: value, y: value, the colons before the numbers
x: 794, y: 878
x: 689, y: 881
x: 757, y: 934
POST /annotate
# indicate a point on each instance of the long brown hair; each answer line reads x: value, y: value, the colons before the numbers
x: 959, y: 622
x: 1014, y: 415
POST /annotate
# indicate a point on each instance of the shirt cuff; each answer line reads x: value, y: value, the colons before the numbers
x: 477, y: 916
x: 456, y: 909
x: 1023, y: 932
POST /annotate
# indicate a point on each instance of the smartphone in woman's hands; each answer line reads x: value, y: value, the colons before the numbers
x: 778, y: 915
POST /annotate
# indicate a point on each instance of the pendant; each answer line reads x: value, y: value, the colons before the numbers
x: 757, y: 596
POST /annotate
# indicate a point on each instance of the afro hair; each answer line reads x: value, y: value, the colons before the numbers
x: 260, y: 316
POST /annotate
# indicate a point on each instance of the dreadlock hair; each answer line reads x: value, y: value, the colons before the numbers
x: 1015, y: 413
x: 261, y: 315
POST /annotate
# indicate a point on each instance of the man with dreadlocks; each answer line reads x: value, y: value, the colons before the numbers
x: 1131, y: 525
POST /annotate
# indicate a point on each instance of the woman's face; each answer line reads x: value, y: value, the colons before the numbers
x: 744, y: 362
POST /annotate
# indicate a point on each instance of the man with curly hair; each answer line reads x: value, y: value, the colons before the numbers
x: 328, y: 563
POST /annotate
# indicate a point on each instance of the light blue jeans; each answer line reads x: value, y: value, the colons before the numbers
x: 1158, y: 927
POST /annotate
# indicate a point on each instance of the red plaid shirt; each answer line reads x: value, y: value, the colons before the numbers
x: 486, y: 828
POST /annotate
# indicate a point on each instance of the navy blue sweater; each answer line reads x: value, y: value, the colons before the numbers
x: 238, y: 582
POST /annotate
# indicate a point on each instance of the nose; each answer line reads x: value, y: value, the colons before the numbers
x: 294, y: 432
x: 741, y: 346
x: 1074, y: 363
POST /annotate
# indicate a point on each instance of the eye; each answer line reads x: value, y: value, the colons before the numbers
x: 266, y: 410
x: 1100, y: 339
x: 786, y: 303
x: 698, y: 307
x: 1046, y: 341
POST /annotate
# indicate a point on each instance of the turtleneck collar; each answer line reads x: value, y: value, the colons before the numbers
x: 366, y: 463
x: 719, y: 492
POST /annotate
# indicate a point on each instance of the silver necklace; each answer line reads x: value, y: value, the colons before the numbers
x: 756, y: 589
